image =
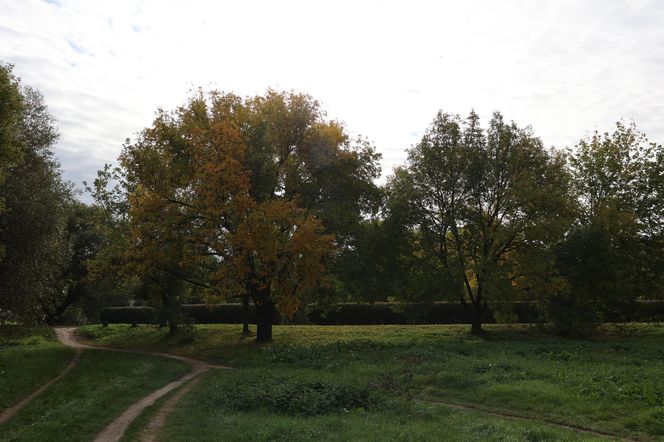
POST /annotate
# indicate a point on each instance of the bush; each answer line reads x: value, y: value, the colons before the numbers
x: 573, y: 318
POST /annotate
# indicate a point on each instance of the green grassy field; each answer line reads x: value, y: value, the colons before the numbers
x: 95, y: 392
x: 29, y: 357
x: 382, y: 382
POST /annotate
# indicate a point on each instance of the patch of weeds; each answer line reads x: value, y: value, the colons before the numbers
x: 313, y: 355
x: 484, y: 431
x: 317, y: 356
x: 486, y: 368
x: 422, y: 355
x: 312, y: 398
x: 458, y: 381
x: 532, y: 435
x: 460, y: 351
x: 317, y: 398
x: 400, y: 382
x: 620, y: 348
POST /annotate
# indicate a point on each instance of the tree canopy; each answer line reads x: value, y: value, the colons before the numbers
x: 245, y: 196
x: 35, y: 202
x: 478, y: 199
x: 265, y: 199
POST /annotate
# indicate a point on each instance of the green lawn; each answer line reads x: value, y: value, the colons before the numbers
x: 29, y: 357
x: 378, y: 382
x: 95, y: 392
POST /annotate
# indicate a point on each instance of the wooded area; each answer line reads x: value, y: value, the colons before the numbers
x: 265, y: 200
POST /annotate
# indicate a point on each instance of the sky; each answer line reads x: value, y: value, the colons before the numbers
x: 383, y: 68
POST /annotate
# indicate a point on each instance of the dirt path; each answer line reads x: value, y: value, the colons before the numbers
x: 158, y: 420
x: 115, y: 430
x: 11, y: 411
x: 517, y: 417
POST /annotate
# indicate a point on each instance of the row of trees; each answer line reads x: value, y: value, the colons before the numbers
x: 265, y: 200
x: 495, y: 216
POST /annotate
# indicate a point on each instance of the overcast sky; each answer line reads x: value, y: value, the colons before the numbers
x: 383, y: 68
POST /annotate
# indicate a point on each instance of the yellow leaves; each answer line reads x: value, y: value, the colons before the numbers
x: 210, y: 193
x: 284, y: 250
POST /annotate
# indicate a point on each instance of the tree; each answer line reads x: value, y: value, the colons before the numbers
x: 480, y: 199
x: 243, y: 197
x: 80, y: 294
x: 11, y: 109
x: 613, y: 253
x: 36, y: 200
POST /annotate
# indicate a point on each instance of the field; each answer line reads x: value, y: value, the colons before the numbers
x: 398, y: 382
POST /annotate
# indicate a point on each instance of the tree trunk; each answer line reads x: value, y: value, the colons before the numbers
x: 264, y: 314
x: 476, y: 326
x: 245, y: 315
x: 69, y: 299
x: 477, y: 319
x: 476, y: 312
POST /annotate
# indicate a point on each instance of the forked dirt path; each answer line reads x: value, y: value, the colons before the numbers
x: 116, y: 429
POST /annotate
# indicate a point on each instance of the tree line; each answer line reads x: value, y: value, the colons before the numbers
x: 266, y: 201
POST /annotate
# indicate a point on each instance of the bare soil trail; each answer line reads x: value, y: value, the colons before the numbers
x: 158, y: 420
x: 116, y: 429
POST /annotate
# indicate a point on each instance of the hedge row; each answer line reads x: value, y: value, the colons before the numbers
x: 377, y: 313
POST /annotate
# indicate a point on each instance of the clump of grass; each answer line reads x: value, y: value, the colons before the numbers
x: 298, y: 398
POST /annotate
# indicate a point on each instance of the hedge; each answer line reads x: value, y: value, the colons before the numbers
x: 128, y: 315
x: 377, y: 313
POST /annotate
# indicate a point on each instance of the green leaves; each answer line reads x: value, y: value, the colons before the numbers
x: 613, y: 255
x: 34, y: 203
x: 479, y: 198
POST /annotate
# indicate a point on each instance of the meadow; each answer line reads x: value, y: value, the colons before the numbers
x: 412, y: 383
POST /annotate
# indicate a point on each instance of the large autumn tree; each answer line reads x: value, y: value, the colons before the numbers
x: 483, y: 203
x: 248, y: 197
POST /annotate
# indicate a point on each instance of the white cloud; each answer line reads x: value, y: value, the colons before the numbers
x: 385, y: 68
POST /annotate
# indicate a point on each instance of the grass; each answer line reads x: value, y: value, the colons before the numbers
x: 95, y: 392
x: 29, y: 357
x: 135, y: 430
x: 378, y: 382
x: 395, y: 421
